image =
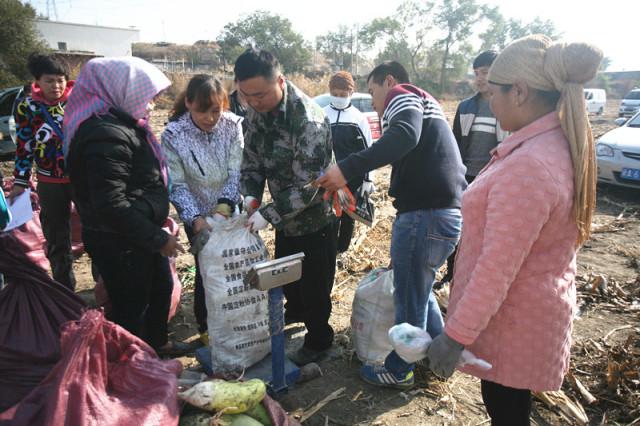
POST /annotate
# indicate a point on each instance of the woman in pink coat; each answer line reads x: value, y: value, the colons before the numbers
x: 525, y: 216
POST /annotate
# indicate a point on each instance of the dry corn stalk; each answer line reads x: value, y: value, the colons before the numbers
x: 559, y: 401
x: 577, y: 385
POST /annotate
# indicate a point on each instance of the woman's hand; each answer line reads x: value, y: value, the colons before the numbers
x: 444, y: 354
x: 171, y: 247
x: 200, y: 223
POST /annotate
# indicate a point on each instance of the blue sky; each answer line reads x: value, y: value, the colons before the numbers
x: 611, y: 25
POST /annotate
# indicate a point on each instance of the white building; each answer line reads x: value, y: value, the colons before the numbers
x: 93, y: 39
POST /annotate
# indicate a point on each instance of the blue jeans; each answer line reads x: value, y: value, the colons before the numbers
x: 421, y: 241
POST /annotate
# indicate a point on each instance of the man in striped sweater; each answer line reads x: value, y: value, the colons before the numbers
x: 427, y: 180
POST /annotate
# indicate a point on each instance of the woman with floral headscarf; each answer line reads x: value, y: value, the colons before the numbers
x: 119, y: 177
x: 525, y: 216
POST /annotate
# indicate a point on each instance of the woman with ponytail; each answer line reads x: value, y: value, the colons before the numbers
x: 525, y: 216
x: 203, y: 143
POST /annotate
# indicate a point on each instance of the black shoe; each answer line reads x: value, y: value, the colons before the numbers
x: 304, y: 356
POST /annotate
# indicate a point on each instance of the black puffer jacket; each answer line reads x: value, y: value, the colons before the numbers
x: 117, y: 182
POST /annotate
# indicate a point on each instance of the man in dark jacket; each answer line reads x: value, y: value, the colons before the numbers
x: 238, y: 106
x: 475, y: 127
x: 427, y: 180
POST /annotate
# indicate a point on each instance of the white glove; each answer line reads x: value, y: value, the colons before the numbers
x: 250, y: 204
x: 257, y: 222
x: 412, y: 343
x: 368, y: 187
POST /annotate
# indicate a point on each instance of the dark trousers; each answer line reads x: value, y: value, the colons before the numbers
x: 310, y: 297
x: 452, y: 257
x: 138, y: 283
x: 345, y: 227
x: 506, y: 406
x: 199, y: 301
x: 55, y: 217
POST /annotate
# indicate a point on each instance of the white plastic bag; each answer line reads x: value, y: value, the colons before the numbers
x: 411, y: 344
x: 237, y: 315
x: 372, y: 316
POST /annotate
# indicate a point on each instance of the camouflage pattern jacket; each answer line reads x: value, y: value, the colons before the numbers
x: 289, y: 148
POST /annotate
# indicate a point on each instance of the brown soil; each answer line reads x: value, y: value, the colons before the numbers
x: 614, y: 253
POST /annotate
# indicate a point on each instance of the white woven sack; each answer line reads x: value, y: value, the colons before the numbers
x: 237, y: 315
x: 372, y: 316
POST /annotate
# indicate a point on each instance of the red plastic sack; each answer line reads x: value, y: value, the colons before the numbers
x: 278, y: 416
x: 31, y: 236
x: 106, y: 377
x: 102, y: 297
x: 32, y: 309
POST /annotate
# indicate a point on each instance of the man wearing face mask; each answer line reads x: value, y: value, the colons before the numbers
x: 288, y: 146
x: 350, y: 133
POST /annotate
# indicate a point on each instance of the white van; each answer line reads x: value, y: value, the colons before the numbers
x: 596, y: 99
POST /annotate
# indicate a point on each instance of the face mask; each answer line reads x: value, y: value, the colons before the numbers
x: 340, y: 103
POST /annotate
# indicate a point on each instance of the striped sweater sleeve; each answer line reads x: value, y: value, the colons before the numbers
x: 402, y: 127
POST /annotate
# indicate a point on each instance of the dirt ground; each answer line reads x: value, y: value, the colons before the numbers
x: 609, y: 316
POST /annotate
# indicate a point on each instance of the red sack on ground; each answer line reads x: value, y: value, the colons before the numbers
x: 106, y: 377
x: 30, y: 235
x: 31, y: 232
x: 32, y: 309
x: 277, y: 414
x: 102, y: 297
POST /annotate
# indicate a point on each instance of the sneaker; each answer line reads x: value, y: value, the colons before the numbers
x: 304, y: 356
x: 378, y: 375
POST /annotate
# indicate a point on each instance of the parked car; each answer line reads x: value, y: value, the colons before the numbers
x: 7, y: 122
x: 362, y: 102
x: 618, y: 154
x: 630, y: 104
x: 596, y: 99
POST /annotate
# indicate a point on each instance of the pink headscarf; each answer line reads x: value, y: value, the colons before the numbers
x: 127, y: 84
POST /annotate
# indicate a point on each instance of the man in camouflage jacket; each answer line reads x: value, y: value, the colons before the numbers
x: 288, y: 145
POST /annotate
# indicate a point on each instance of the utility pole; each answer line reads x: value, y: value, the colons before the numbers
x: 51, y: 4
